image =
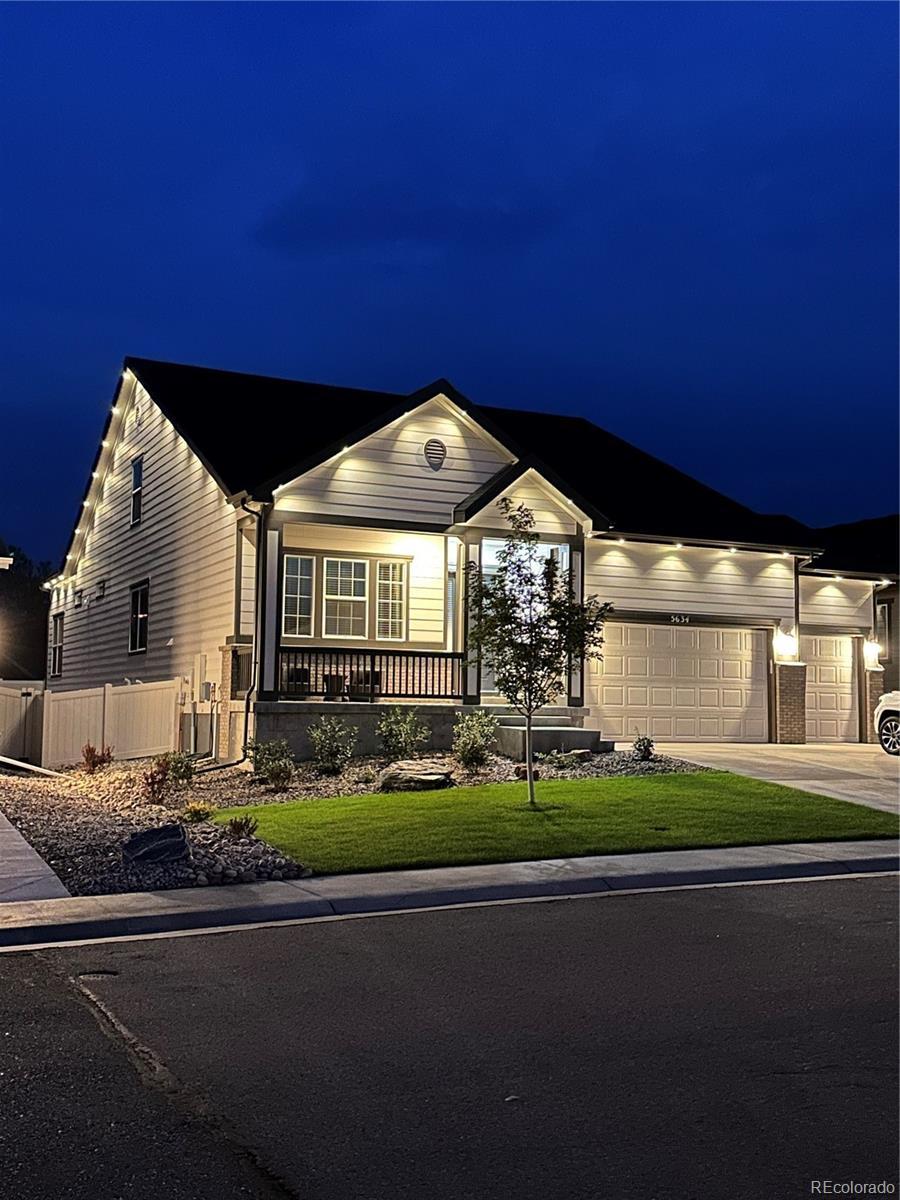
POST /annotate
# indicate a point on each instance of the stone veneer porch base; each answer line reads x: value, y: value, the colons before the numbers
x: 291, y: 719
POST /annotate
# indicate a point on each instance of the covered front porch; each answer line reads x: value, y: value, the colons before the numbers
x: 364, y: 614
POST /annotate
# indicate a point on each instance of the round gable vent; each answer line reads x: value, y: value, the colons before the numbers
x: 435, y: 453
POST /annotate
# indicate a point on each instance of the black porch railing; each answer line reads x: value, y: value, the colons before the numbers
x: 368, y: 675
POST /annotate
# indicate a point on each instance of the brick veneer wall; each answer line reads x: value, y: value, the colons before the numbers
x: 790, y: 703
x: 221, y: 750
x: 875, y: 685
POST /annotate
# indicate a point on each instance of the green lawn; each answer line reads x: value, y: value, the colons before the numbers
x: 492, y: 823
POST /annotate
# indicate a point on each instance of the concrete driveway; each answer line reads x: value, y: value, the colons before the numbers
x: 862, y: 774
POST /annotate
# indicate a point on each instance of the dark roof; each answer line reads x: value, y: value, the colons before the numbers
x: 254, y: 432
x: 248, y: 429
x: 872, y: 545
x: 641, y: 494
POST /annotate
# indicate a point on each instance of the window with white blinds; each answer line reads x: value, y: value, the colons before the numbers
x: 390, y: 611
x: 346, y: 598
x: 297, y: 613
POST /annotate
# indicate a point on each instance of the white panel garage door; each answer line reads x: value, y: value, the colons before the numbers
x: 680, y: 683
x: 832, y: 712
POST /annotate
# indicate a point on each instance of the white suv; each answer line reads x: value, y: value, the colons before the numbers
x: 887, y: 722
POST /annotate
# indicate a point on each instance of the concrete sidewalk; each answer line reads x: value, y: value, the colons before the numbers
x: 127, y: 915
x: 23, y: 873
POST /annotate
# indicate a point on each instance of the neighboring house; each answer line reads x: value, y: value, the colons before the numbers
x: 282, y: 547
x: 23, y: 615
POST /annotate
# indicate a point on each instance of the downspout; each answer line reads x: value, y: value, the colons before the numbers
x: 260, y: 517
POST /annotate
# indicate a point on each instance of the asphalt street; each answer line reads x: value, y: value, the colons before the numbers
x: 732, y: 1042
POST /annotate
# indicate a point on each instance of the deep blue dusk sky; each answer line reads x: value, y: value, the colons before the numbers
x: 679, y: 220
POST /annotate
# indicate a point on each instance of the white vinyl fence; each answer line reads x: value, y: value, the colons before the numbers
x: 20, y: 720
x: 136, y: 720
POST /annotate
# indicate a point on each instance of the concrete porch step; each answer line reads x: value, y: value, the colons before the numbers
x: 511, y: 740
x: 516, y: 721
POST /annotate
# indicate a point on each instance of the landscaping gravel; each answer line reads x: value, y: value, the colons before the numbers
x: 236, y: 786
x: 78, y: 823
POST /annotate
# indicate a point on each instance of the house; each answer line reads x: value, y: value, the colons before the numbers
x: 281, y: 548
x: 865, y: 546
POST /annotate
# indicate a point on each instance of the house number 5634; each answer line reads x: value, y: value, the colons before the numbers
x: 679, y: 619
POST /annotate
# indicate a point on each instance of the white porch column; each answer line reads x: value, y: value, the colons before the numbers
x: 472, y: 671
x: 576, y: 665
x: 269, y: 617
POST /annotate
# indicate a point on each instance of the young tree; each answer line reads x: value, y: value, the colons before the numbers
x: 526, y: 622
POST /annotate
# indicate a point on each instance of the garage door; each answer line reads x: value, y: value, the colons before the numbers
x: 832, y: 712
x: 681, y: 684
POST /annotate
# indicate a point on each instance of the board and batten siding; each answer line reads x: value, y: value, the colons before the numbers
x: 386, y: 477
x: 184, y: 545
x: 836, y: 604
x: 658, y: 578
x: 551, y: 517
x: 247, y: 591
x: 425, y: 553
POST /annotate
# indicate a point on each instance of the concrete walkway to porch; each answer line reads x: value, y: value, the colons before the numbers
x: 23, y: 873
x: 861, y: 774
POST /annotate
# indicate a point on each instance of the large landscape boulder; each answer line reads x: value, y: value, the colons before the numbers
x: 415, y: 775
x: 164, y: 844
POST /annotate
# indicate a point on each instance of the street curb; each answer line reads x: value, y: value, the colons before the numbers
x: 86, y: 918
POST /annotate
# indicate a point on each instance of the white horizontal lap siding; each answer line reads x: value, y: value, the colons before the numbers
x: 386, y: 476
x: 424, y: 551
x: 550, y: 516
x: 657, y: 578
x: 845, y: 603
x: 184, y: 544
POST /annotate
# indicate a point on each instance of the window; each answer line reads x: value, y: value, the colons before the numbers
x: 137, y: 489
x: 101, y: 589
x: 56, y: 644
x: 297, y: 610
x: 390, y: 601
x: 78, y: 598
x: 883, y: 631
x: 140, y: 616
x: 346, y: 598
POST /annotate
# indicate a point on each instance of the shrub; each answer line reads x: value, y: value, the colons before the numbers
x: 181, y: 769
x: 279, y: 773
x: 167, y: 773
x: 196, y: 811
x: 272, y: 761
x: 333, y: 741
x: 642, y: 748
x: 401, y: 732
x: 240, y: 827
x: 95, y: 759
x: 156, y: 780
x: 474, y: 735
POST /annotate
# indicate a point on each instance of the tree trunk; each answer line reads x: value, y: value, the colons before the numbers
x: 529, y: 760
